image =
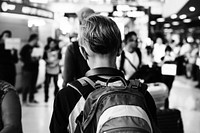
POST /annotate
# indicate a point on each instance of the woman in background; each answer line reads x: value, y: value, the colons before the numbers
x: 52, y: 56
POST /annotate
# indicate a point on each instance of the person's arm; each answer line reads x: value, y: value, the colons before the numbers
x: 11, y: 113
x: 69, y: 66
x: 25, y: 54
x: 59, y: 119
x: 64, y: 103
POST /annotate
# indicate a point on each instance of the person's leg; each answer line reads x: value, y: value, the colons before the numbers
x: 55, y: 80
x: 26, y: 77
x: 198, y: 78
x: 46, y: 86
x: 34, y: 76
x: 168, y: 80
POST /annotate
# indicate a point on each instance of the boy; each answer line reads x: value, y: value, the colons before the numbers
x: 100, y: 44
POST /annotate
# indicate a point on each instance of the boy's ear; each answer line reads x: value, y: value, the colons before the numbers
x: 83, y: 52
x: 119, y: 51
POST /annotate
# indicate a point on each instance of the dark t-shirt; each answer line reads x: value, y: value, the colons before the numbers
x: 75, y: 66
x: 30, y: 63
x: 67, y: 98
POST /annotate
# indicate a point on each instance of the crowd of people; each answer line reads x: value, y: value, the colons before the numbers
x: 98, y: 49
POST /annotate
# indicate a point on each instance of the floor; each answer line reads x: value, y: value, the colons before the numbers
x: 184, y: 96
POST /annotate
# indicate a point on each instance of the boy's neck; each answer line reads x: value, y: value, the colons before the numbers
x: 101, y: 62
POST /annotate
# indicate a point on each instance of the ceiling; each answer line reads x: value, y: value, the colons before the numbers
x: 192, y: 11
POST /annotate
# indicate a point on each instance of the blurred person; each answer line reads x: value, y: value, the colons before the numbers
x: 168, y: 58
x: 131, y: 56
x: 169, y: 55
x: 10, y: 118
x: 100, y: 44
x: 30, y: 68
x: 74, y: 64
x: 158, y: 50
x: 198, y: 65
x: 52, y: 56
x: 8, y: 59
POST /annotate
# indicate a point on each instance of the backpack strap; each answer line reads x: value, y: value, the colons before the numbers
x: 138, y: 85
x: 131, y: 63
x: 83, y: 86
x: 123, y: 57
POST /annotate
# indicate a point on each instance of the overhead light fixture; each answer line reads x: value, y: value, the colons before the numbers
x: 199, y: 17
x: 5, y: 6
x: 167, y: 25
x: 183, y: 16
x: 135, y: 14
x: 126, y: 8
x: 175, y: 23
x: 187, y: 20
x: 160, y: 19
x: 174, y: 16
x: 168, y: 30
x: 40, y: 1
x: 153, y: 22
x: 118, y: 13
x: 192, y: 9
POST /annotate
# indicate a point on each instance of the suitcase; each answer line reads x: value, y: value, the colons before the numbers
x: 170, y: 121
x: 159, y: 92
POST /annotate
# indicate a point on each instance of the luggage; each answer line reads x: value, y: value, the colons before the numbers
x: 170, y: 121
x: 159, y: 92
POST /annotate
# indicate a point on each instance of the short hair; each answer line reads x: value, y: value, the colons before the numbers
x: 84, y: 13
x: 101, y: 34
x: 6, y: 32
x: 128, y: 35
x: 32, y: 37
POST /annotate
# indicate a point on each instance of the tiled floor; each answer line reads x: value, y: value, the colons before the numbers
x: 36, y: 117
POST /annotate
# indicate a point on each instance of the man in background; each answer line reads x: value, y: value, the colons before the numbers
x: 74, y: 64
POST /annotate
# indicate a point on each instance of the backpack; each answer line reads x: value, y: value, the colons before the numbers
x: 115, y: 109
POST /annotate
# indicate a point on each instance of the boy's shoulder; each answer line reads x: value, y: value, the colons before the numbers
x: 82, y: 85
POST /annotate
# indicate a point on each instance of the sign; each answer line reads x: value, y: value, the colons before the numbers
x: 37, y: 52
x: 169, y: 69
x: 18, y: 8
x: 12, y: 43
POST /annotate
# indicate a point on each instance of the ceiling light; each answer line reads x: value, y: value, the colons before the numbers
x: 183, y: 16
x: 168, y: 30
x: 39, y: 1
x: 135, y: 14
x: 187, y: 20
x: 166, y: 25
x: 174, y: 16
x: 153, y: 22
x: 192, y: 9
x: 199, y: 17
x: 160, y: 19
x: 118, y: 13
x: 175, y: 23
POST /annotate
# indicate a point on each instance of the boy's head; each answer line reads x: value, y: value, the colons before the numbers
x: 101, y: 35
